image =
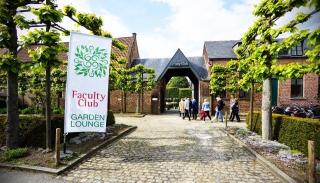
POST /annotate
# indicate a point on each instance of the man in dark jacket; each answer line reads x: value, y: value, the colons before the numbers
x: 190, y: 107
x: 195, y: 108
x: 219, y: 109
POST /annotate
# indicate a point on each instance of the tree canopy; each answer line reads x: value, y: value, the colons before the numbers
x: 179, y: 82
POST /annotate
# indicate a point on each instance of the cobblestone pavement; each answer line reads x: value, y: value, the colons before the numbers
x: 166, y: 148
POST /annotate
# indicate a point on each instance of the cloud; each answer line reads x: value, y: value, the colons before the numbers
x: 193, y: 22
x: 114, y: 25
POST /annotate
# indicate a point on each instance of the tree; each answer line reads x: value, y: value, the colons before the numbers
x: 179, y: 82
x: 46, y: 56
x: 124, y: 82
x: 59, y: 79
x: 23, y: 85
x: 141, y: 84
x: 10, y: 20
x: 36, y: 86
x: 259, y: 50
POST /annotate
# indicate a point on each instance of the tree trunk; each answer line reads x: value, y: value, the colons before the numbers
x: 142, y: 94
x: 251, y: 105
x: 12, y: 125
x: 121, y: 101
x: 138, y: 104
x: 266, y: 97
x: 125, y: 102
x: 142, y: 100
x: 58, y: 100
x: 266, y: 109
x: 48, y: 108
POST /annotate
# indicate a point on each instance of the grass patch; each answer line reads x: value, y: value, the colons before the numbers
x: 22, y: 162
x: 294, y: 151
x: 69, y: 158
x: 33, y: 164
x: 48, y: 161
x: 244, y: 132
x: 13, y: 153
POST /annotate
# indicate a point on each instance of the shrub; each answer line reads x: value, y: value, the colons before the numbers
x: 13, y: 153
x: 110, y: 119
x: 25, y: 111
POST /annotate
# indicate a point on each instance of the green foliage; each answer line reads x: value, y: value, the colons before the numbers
x: 69, y: 158
x: 185, y: 92
x: 292, y: 131
x: 48, y: 13
x: 13, y: 153
x: 10, y: 62
x: 58, y: 111
x: 47, y: 54
x: 172, y: 92
x: 178, y: 82
x: 23, y: 83
x: 30, y: 110
x: 3, y: 110
x: 59, y: 79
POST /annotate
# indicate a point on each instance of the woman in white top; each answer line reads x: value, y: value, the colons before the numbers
x: 206, y: 108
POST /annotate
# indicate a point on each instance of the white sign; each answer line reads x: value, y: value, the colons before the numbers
x: 87, y: 83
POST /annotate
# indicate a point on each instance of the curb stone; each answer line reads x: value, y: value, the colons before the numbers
x: 275, y: 170
x: 75, y: 162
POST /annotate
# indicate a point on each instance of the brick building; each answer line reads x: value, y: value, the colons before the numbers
x: 301, y: 90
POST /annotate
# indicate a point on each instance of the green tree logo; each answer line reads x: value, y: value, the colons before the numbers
x: 91, y: 61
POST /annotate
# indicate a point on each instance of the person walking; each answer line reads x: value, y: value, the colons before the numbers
x: 186, y: 108
x: 206, y: 109
x: 181, y: 108
x: 235, y: 110
x: 219, y: 111
x: 190, y: 107
x: 231, y: 113
x: 195, y: 109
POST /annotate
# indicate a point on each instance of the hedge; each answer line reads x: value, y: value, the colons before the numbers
x: 185, y: 92
x: 293, y: 131
x: 32, y: 129
x: 172, y: 92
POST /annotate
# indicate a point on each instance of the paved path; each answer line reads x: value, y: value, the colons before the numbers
x: 166, y: 148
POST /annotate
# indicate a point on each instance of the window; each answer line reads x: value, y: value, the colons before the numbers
x: 296, y: 87
x: 221, y: 94
x: 242, y: 93
x: 297, y: 50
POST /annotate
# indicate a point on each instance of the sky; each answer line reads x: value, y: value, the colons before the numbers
x: 164, y: 26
